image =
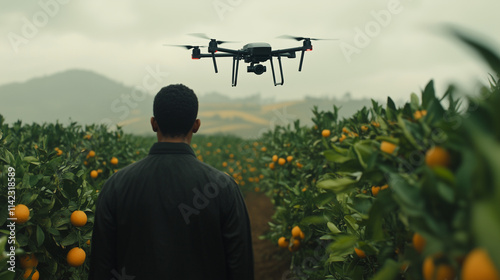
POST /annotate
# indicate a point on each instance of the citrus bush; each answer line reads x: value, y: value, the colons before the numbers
x: 59, y: 171
x: 392, y: 192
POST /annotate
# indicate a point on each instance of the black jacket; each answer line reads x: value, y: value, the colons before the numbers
x: 171, y: 216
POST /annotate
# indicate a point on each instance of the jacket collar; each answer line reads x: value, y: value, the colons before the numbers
x: 171, y: 148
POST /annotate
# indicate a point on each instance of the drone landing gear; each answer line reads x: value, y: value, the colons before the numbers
x: 281, y: 71
x: 236, y: 60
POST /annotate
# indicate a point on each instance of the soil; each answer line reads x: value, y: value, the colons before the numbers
x: 271, y: 261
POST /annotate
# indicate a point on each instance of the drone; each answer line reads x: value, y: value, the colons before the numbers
x: 253, y: 53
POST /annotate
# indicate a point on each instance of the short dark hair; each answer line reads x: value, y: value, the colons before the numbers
x: 175, y: 109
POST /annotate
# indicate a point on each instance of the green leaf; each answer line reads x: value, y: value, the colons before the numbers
x: 337, y: 185
x: 343, y: 245
x: 414, y: 101
x: 389, y: 271
x: 70, y: 239
x: 333, y: 228
x: 428, y: 95
x: 40, y: 236
x: 333, y: 156
x: 313, y: 220
x: 490, y: 57
x: 364, y: 150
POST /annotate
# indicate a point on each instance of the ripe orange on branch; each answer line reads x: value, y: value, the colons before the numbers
x: 94, y: 174
x: 283, y: 243
x: 28, y: 272
x: 360, y: 253
x: 91, y: 154
x: 22, y: 213
x: 375, y: 190
x: 76, y: 257
x: 442, y: 271
x: 281, y: 161
x: 418, y: 242
x: 437, y: 156
x: 325, y: 133
x: 114, y: 161
x: 387, y: 147
x: 78, y: 218
x: 478, y: 265
x: 294, y: 245
x: 28, y: 261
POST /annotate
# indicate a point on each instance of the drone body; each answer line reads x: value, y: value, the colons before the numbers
x: 252, y: 53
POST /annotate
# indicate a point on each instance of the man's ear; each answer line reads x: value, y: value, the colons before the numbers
x: 154, y: 124
x: 196, y: 125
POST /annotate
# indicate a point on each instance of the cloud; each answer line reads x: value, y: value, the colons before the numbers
x: 120, y: 38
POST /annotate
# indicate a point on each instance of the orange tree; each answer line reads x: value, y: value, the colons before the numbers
x: 406, y: 192
x: 52, y: 168
x: 59, y: 171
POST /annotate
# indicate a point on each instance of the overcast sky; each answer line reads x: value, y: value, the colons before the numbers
x: 385, y: 47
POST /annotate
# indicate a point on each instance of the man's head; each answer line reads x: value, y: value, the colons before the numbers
x: 175, y: 109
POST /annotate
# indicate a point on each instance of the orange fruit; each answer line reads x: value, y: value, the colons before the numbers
x: 275, y: 158
x: 27, y: 274
x: 478, y: 265
x: 361, y: 254
x: 78, y: 218
x: 437, y: 156
x: 325, y: 133
x: 28, y: 261
x: 93, y: 174
x: 384, y: 187
x: 304, y: 189
x: 297, y: 232
x: 295, y: 245
x: 418, y: 242
x: 22, y: 213
x: 271, y: 165
x: 441, y: 272
x: 364, y: 128
x: 387, y: 147
x: 345, y: 130
x: 283, y: 243
x: 114, y: 161
x: 59, y: 152
x: 88, y: 242
x: 289, y: 158
x: 76, y: 257
x: 375, y: 124
x: 263, y: 149
x: 91, y: 154
x: 281, y: 161
x: 375, y: 190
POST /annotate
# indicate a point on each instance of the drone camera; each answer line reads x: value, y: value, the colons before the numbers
x: 257, y: 69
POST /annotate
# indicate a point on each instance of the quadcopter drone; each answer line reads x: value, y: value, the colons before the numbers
x: 253, y: 53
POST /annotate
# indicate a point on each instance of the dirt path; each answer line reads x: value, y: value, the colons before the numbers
x: 271, y: 262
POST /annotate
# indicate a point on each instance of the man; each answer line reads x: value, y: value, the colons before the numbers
x: 169, y: 215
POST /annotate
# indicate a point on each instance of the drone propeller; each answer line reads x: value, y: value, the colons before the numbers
x: 184, y: 46
x: 302, y: 38
x: 204, y: 36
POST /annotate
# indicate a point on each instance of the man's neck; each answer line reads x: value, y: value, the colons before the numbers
x: 184, y: 139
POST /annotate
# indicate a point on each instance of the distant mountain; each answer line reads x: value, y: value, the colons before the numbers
x: 87, y: 97
x: 79, y: 95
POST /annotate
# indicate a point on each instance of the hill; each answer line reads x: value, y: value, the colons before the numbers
x: 88, y: 97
